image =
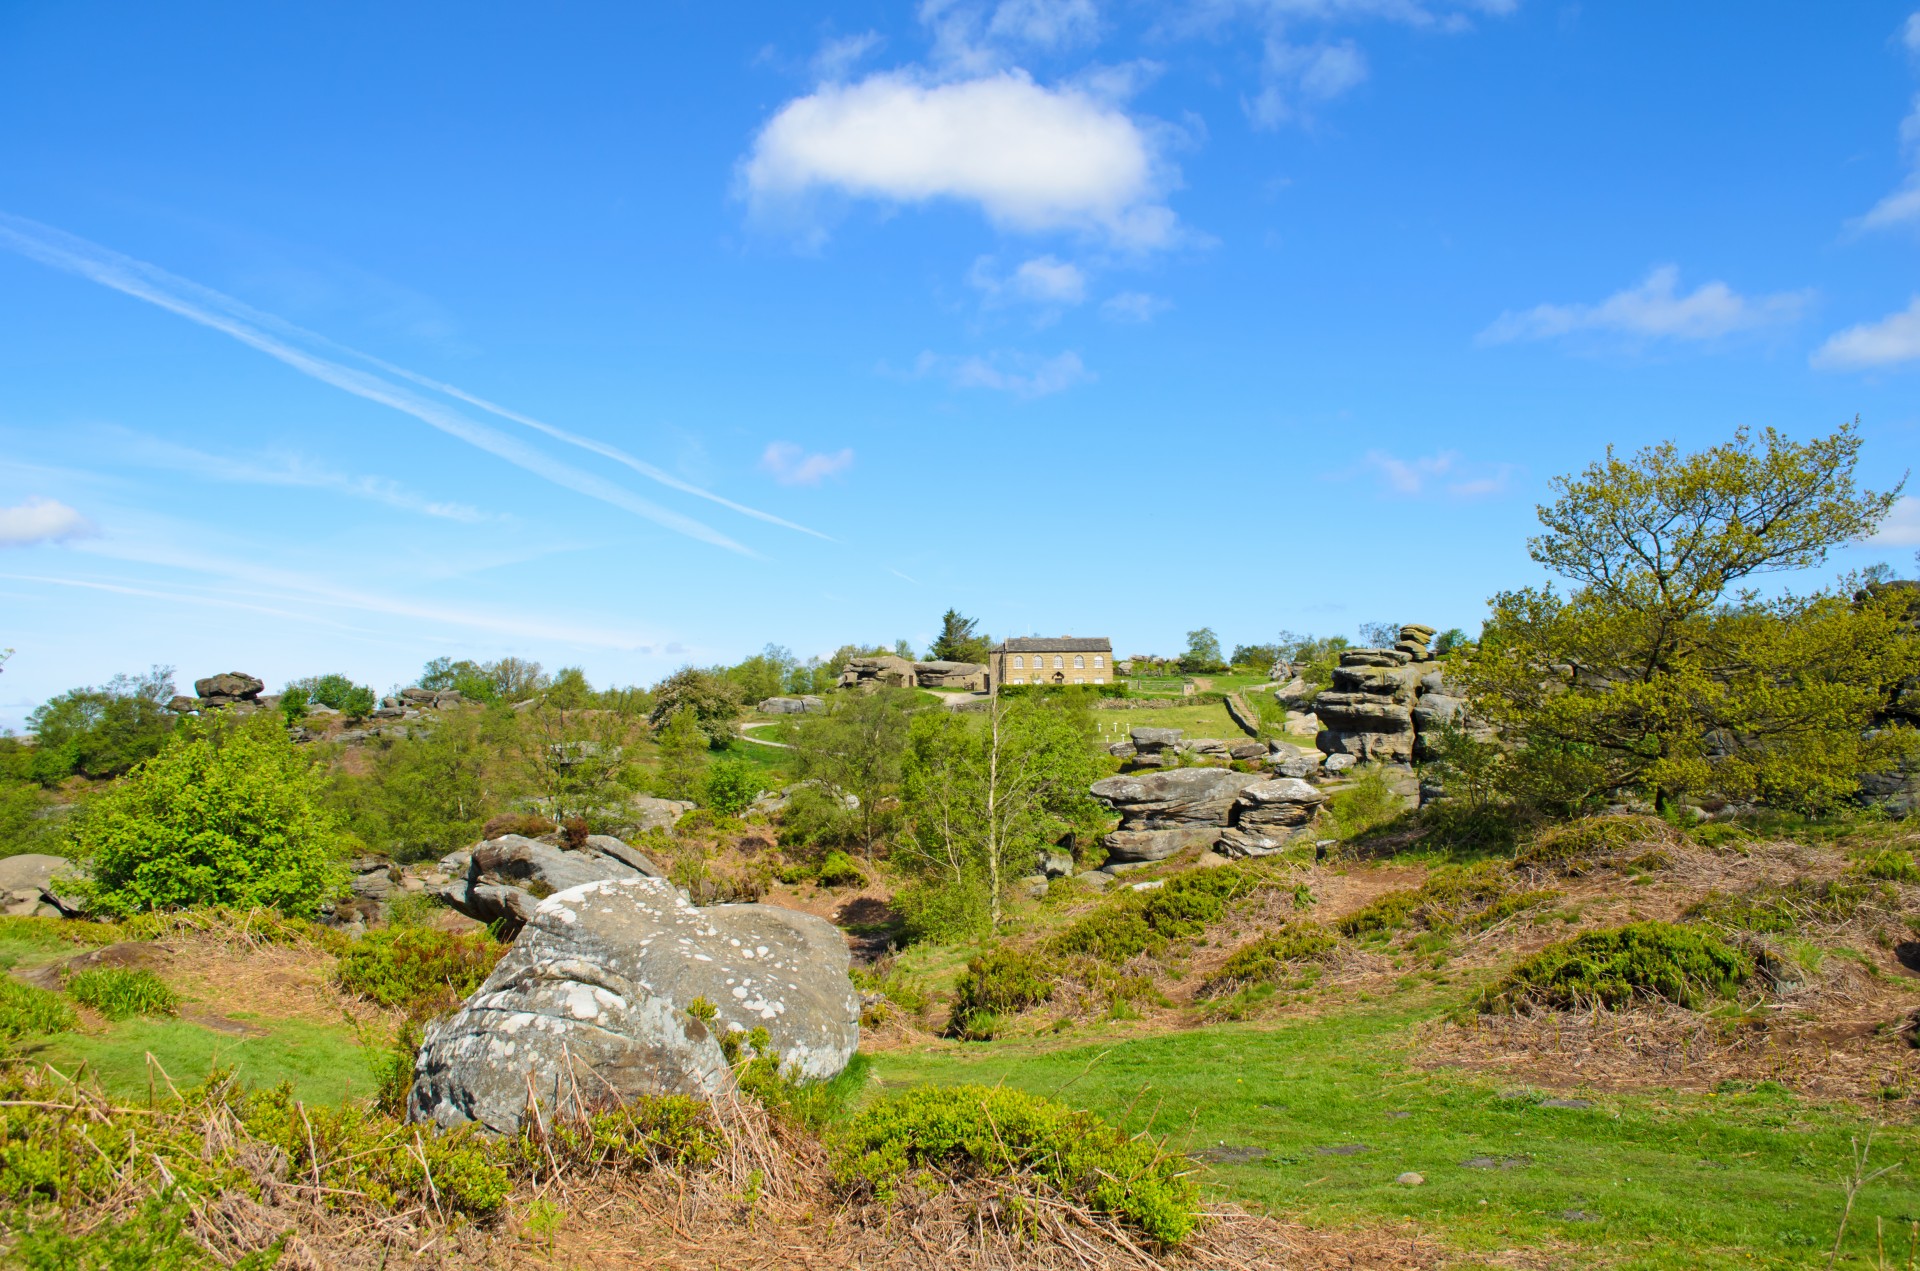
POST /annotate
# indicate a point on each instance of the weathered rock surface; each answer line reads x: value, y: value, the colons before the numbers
x: 941, y: 673
x: 591, y: 1005
x: 807, y: 705
x: 657, y: 814
x: 1173, y: 799
x: 1277, y: 803
x: 507, y: 877
x: 1139, y: 847
x: 1153, y: 740
x: 228, y: 687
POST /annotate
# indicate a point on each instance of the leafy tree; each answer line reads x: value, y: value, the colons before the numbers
x: 1316, y: 656
x: 508, y: 679
x: 355, y: 701
x: 1256, y: 655
x: 575, y: 761
x: 856, y: 749
x: 1449, y: 640
x: 230, y: 813
x: 730, y: 786
x: 712, y: 698
x: 1379, y: 635
x: 1203, y: 656
x: 683, y: 755
x: 1664, y: 670
x: 431, y: 791
x: 902, y: 649
x: 763, y: 675
x: 102, y: 732
x: 569, y: 690
x: 984, y: 798
x: 293, y: 705
x: 959, y: 640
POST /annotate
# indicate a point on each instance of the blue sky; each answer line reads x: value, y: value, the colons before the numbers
x: 340, y: 337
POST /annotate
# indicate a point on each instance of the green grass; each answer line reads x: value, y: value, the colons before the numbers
x: 323, y: 1061
x: 1196, y: 721
x: 32, y: 941
x: 1684, y: 1182
x: 123, y: 992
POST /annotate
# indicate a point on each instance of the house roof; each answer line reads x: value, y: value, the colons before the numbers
x: 1056, y: 644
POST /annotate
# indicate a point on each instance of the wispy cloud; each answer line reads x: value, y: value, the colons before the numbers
x: 1890, y: 341
x: 40, y: 520
x: 1654, y: 310
x: 1902, y: 526
x: 275, y: 337
x: 1902, y: 207
x: 791, y: 465
x: 1445, y: 473
x: 1296, y: 77
x: 1021, y: 374
x: 287, y: 470
x: 1134, y: 306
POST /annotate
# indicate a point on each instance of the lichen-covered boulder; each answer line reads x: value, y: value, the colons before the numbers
x: 591, y: 1005
x: 1172, y: 799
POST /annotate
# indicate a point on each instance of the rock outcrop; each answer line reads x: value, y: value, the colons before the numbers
x: 507, y: 877
x: 596, y: 1002
x: 806, y: 705
x: 940, y: 673
x: 26, y: 886
x: 884, y: 670
x: 1388, y: 705
x: 1234, y: 813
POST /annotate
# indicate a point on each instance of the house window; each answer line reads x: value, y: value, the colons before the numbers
x: 1079, y: 679
x: 1098, y: 680
x: 1019, y: 662
x: 1098, y: 662
x: 1017, y: 680
x: 1058, y: 662
x: 1079, y: 663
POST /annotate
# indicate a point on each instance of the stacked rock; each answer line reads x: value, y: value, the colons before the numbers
x: 1413, y: 641
x: 234, y: 689
x: 1385, y: 706
x: 1235, y: 813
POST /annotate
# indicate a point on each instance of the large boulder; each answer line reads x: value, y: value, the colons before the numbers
x: 942, y: 673
x: 1174, y: 798
x: 591, y: 1005
x: 807, y: 705
x: 507, y: 877
x: 1153, y: 740
x: 26, y: 885
x: 1277, y: 803
x: 228, y: 688
x: 657, y: 814
x: 1140, y: 847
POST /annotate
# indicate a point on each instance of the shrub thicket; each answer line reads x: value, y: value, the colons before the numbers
x: 1004, y: 981
x: 995, y: 1132
x: 1777, y: 908
x: 730, y: 786
x: 1469, y: 898
x: 26, y: 1011
x: 1267, y: 956
x: 1683, y: 965
x: 228, y: 814
x: 419, y: 968
x: 101, y: 732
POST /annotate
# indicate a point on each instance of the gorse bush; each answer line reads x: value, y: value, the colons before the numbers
x: 1266, y: 957
x: 837, y: 869
x: 1594, y: 842
x: 26, y: 1011
x: 1469, y: 898
x: 228, y: 814
x: 1683, y: 965
x: 417, y: 967
x: 123, y: 992
x: 994, y: 1132
x: 1004, y: 981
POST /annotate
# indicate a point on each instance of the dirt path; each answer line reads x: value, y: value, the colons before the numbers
x: 762, y: 741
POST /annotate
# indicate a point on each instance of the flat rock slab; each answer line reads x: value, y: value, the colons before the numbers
x: 590, y: 1006
x: 1343, y: 1149
x: 1173, y: 799
x: 1576, y: 1104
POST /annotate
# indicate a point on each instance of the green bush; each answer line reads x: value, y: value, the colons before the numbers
x: 1684, y: 965
x: 1593, y: 842
x: 1458, y: 897
x: 417, y: 967
x: 1000, y: 1133
x: 154, y: 1239
x: 730, y: 786
x: 123, y: 992
x: 1890, y: 864
x: 355, y: 701
x: 228, y: 814
x: 1365, y: 805
x: 1138, y: 921
x: 1776, y: 908
x: 1003, y: 981
x: 838, y: 869
x: 1266, y: 957
x: 101, y: 732
x: 26, y: 1011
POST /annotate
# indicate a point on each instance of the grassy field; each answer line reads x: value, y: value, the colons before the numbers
x: 1340, y: 1108
x: 1196, y: 721
x: 324, y: 1062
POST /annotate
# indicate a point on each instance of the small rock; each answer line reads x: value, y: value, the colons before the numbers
x: 1231, y: 1154
x: 1577, y: 1104
x: 1410, y: 1179
x: 1033, y: 886
x: 1339, y: 763
x: 1343, y: 1149
x: 1149, y: 885
x: 1095, y: 879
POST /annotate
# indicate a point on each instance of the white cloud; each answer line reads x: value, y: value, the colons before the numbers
x: 1902, y: 526
x: 1022, y: 375
x: 1653, y: 310
x: 790, y: 465
x: 1442, y: 473
x: 1888, y: 342
x: 1045, y: 281
x: 1047, y: 24
x: 41, y: 520
x: 1910, y: 33
x: 1030, y: 157
x: 837, y: 57
x: 1134, y: 306
x: 1294, y: 76
x: 971, y: 38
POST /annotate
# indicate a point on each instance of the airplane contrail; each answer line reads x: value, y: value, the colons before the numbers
x: 232, y: 317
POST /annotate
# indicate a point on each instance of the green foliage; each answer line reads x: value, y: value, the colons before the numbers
x: 730, y: 786
x: 1450, y: 640
x: 1203, y: 656
x: 228, y: 814
x: 419, y: 968
x: 429, y: 791
x: 1777, y: 908
x: 506, y: 680
x: 1258, y: 656
x: 960, y: 640
x: 984, y: 797
x: 1266, y: 957
x: 26, y: 1011
x: 1367, y: 804
x: 1001, y: 981
x: 27, y: 818
x: 123, y: 992
x: 569, y: 690
x: 815, y: 818
x: 1889, y: 864
x: 1684, y: 965
x: 575, y: 762
x: 1665, y: 671
x: 837, y: 869
x: 811, y: 1103
x: 355, y: 701
x: 1456, y: 897
x: 683, y: 756
x: 856, y: 749
x: 1594, y: 842
x: 101, y: 732
x: 1316, y: 656
x: 713, y: 700
x: 1136, y: 922
x: 293, y: 705
x: 1007, y: 1134
x: 765, y: 674
x: 675, y: 1132
x: 154, y: 1239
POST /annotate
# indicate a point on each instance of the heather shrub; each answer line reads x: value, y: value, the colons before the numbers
x: 1683, y: 965
x: 417, y: 967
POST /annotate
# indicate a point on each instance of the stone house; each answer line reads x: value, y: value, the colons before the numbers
x: 1052, y: 660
